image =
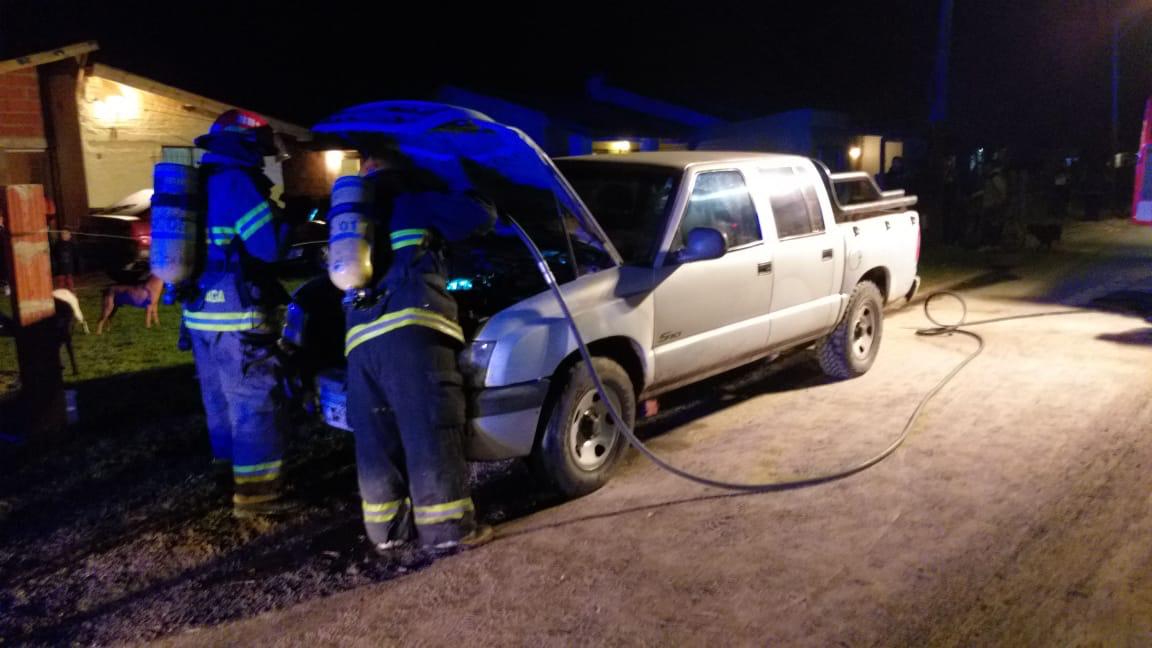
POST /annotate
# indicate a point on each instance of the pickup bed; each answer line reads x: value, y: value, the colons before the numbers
x: 707, y: 261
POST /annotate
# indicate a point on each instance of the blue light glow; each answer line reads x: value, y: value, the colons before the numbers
x: 459, y: 284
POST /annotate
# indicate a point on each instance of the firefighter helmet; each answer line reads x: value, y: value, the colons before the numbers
x: 240, y: 125
x: 238, y: 121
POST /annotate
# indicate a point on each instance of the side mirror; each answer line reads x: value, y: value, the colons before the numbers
x: 703, y: 243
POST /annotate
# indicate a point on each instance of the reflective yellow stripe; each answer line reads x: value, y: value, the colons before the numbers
x: 446, y: 327
x: 251, y: 214
x: 251, y: 468
x: 394, y: 316
x: 439, y: 508
x: 408, y: 237
x: 255, y: 499
x: 409, y: 232
x: 220, y: 328
x: 221, y: 236
x: 439, y: 517
x: 389, y: 322
x: 379, y: 513
x: 258, y: 478
x: 248, y: 233
x: 238, y: 315
x: 438, y: 513
x: 234, y: 321
x: 380, y: 508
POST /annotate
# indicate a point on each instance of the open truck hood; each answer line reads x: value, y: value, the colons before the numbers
x: 468, y: 150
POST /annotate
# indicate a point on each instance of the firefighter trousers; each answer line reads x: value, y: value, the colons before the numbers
x: 406, y: 407
x: 240, y: 384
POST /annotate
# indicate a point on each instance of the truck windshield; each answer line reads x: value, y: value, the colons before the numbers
x: 630, y: 201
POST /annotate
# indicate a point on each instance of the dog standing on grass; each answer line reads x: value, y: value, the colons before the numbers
x: 67, y: 312
x: 144, y: 295
x: 69, y: 297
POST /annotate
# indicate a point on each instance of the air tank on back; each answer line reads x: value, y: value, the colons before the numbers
x: 350, y: 234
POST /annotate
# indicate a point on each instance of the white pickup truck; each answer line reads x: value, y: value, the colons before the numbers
x: 694, y: 263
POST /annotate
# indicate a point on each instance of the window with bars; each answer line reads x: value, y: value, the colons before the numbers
x: 186, y: 155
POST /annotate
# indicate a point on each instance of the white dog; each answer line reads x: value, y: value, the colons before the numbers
x: 68, y: 297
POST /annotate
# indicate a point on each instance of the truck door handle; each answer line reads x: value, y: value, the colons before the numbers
x: 764, y: 268
x: 826, y: 254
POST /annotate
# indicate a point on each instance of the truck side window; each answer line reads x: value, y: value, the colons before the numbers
x: 720, y: 200
x: 795, y: 206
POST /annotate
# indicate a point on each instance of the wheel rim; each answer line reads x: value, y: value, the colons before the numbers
x: 864, y: 331
x: 592, y: 433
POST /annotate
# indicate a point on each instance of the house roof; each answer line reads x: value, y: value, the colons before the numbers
x: 196, y: 103
x: 48, y: 56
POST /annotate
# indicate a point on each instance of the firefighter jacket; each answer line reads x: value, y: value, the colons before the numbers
x: 238, y: 290
x: 412, y: 290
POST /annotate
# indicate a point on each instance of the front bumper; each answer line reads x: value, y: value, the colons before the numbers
x: 502, y: 421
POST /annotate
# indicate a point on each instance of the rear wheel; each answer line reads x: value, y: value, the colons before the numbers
x: 851, y: 348
x: 580, y: 444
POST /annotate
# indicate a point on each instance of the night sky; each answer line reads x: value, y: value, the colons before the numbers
x: 1033, y: 72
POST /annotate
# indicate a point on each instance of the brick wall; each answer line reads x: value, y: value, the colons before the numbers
x: 20, y: 111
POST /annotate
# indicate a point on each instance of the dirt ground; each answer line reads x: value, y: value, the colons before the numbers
x: 1017, y: 513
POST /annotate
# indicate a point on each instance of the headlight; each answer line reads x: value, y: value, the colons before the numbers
x: 474, y: 361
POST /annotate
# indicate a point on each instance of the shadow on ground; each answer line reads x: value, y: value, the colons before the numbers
x: 123, y: 535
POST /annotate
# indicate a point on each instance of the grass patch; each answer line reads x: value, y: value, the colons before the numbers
x: 126, y: 347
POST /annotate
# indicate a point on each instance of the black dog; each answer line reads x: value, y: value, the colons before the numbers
x: 61, y: 326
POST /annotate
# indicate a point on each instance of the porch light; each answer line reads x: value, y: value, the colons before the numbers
x: 117, y: 108
x: 333, y: 160
x: 620, y: 146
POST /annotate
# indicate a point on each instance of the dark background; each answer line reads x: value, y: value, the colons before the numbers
x: 1026, y: 72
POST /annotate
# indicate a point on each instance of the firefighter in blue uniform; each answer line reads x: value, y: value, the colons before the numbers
x: 405, y: 393
x: 231, y: 321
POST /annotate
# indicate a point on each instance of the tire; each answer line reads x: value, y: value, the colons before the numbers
x: 851, y: 348
x: 580, y: 446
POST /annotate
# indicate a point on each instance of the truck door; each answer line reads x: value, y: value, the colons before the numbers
x: 713, y: 313
x: 808, y: 259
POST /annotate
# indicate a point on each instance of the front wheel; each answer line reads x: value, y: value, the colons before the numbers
x: 851, y: 348
x: 580, y: 444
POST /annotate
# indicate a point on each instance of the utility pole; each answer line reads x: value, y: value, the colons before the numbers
x: 934, y: 229
x: 939, y: 111
x: 42, y: 419
x: 1115, y: 85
